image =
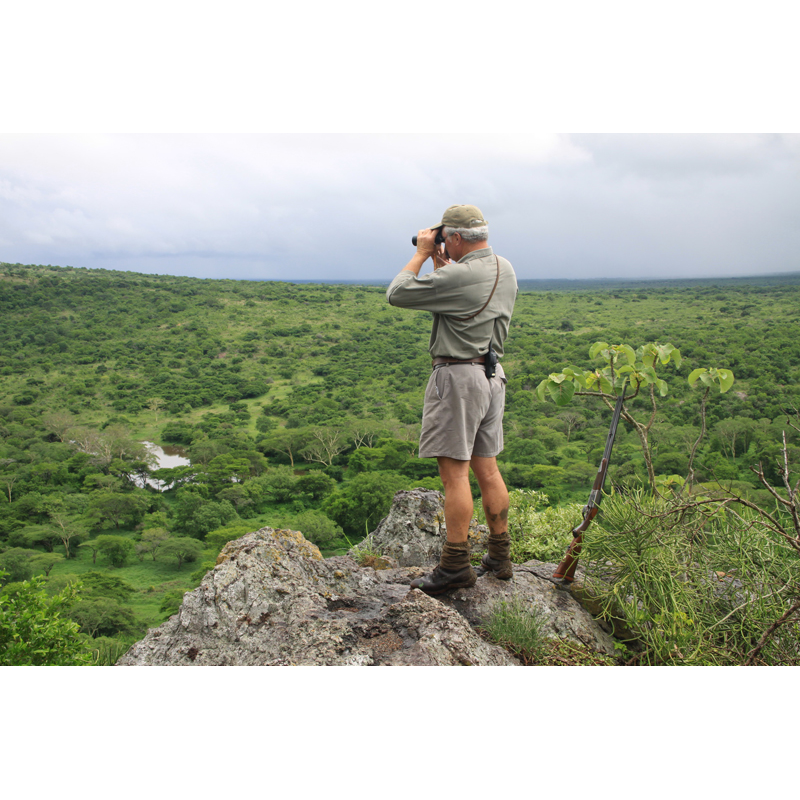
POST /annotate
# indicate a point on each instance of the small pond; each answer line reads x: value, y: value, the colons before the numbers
x: 167, y: 457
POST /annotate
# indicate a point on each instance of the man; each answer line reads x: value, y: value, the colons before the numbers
x: 471, y: 294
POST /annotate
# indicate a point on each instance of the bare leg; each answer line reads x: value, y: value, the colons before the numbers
x: 458, y: 506
x: 454, y: 570
x: 494, y: 494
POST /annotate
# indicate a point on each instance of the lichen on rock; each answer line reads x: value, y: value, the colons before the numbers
x: 272, y: 600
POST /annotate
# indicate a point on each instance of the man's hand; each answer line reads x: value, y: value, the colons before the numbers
x: 426, y: 248
x: 426, y: 243
x: 439, y: 258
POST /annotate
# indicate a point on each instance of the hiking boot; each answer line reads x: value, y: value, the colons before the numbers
x: 454, y: 571
x: 440, y: 580
x: 498, y: 559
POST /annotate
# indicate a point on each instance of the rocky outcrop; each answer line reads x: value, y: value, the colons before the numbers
x: 413, y: 531
x: 273, y: 600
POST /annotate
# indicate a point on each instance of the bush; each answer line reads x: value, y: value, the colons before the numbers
x: 317, y: 527
x: 537, y: 532
x: 32, y: 629
x: 694, y: 584
x: 362, y: 502
x: 115, y: 548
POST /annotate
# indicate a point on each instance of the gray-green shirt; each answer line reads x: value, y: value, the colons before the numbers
x: 459, y: 290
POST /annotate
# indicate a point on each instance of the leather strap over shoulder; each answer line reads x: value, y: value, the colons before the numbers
x: 464, y: 319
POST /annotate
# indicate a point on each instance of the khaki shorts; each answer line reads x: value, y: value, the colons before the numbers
x: 463, y: 413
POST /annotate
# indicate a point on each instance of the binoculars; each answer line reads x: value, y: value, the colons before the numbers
x: 439, y: 238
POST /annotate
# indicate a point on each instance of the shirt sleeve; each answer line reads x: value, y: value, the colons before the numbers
x: 409, y: 291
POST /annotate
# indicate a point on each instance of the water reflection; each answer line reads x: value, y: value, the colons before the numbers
x: 167, y: 458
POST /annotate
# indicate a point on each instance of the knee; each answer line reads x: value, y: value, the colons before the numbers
x: 453, y: 479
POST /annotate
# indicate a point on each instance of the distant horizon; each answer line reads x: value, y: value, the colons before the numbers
x: 785, y: 277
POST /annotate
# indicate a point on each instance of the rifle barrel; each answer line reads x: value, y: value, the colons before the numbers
x: 566, y: 569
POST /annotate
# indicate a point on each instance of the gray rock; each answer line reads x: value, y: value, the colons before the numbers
x: 563, y: 617
x: 414, y: 530
x: 273, y: 600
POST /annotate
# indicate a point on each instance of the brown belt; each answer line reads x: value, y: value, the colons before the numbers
x: 438, y: 362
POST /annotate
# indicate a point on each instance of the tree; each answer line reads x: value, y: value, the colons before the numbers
x: 224, y: 469
x: 152, y: 540
x: 733, y: 428
x: 183, y: 548
x: 46, y: 561
x: 317, y: 527
x: 35, y: 536
x: 364, y: 433
x: 212, y: 516
x: 8, y: 479
x: 33, y: 630
x: 117, y: 507
x: 67, y: 529
x: 629, y: 370
x: 93, y: 546
x: 572, y: 421
x: 155, y: 404
x: 316, y: 483
x: 285, y: 440
x: 59, y: 423
x: 16, y: 564
x: 103, y: 616
x: 115, y: 548
x: 361, y: 503
x: 237, y: 495
x: 280, y: 482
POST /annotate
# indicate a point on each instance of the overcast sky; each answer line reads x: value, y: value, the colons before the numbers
x: 337, y: 206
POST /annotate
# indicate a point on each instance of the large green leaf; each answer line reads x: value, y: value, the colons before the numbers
x: 648, y: 354
x: 605, y: 385
x: 577, y: 375
x: 562, y: 392
x: 541, y: 389
x: 707, y: 378
x: 695, y: 374
x: 725, y: 380
x: 650, y: 374
x: 630, y: 353
x: 596, y: 348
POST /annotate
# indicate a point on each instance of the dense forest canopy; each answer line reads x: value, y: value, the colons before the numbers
x: 299, y: 405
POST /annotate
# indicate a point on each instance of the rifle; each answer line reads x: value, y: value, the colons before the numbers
x: 565, y: 571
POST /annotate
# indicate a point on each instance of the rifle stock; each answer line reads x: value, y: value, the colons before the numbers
x: 565, y: 571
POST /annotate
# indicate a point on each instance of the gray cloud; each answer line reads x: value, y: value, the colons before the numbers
x: 345, y: 206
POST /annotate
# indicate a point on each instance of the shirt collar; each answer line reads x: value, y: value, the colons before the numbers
x: 484, y: 252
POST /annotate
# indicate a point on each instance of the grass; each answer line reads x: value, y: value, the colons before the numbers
x: 518, y: 627
x: 151, y: 579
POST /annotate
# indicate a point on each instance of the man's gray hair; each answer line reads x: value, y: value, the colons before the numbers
x: 469, y: 234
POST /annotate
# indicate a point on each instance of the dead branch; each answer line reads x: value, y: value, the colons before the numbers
x: 769, y: 633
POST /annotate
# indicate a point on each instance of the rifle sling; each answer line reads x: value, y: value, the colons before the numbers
x: 464, y: 319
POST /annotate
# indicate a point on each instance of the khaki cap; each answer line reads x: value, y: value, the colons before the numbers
x: 461, y: 217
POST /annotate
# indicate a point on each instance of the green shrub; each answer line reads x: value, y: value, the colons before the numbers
x: 33, y: 631
x: 518, y: 628
x: 317, y: 527
x: 694, y: 584
x: 539, y: 532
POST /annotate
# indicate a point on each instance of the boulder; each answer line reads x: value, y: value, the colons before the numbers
x: 273, y: 600
x: 414, y: 530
